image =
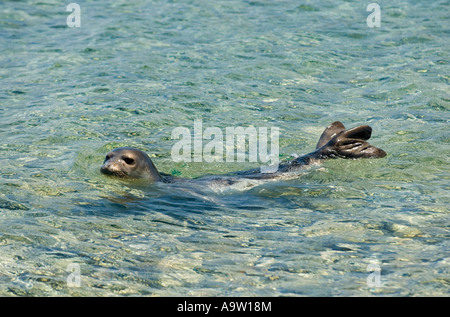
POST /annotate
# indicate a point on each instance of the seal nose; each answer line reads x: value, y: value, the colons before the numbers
x: 105, y: 168
x: 108, y: 168
x: 113, y: 168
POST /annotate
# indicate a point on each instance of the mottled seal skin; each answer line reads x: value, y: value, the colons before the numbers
x: 335, y: 142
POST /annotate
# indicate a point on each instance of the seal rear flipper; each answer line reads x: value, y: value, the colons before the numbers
x: 331, y: 131
x: 362, y: 132
x: 351, y: 144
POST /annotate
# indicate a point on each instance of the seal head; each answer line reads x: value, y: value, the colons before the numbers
x: 127, y: 162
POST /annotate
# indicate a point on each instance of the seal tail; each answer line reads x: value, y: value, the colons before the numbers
x: 331, y: 131
x: 336, y: 142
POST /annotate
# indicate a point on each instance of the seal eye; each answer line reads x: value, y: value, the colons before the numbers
x: 128, y: 160
x: 107, y: 158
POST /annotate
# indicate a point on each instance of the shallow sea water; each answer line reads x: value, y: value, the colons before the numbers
x: 135, y: 70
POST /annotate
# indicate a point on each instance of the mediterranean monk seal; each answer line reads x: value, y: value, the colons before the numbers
x: 335, y: 142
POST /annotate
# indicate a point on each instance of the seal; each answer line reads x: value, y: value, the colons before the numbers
x: 127, y: 162
x: 335, y: 142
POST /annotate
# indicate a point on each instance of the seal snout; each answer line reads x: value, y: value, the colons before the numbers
x: 111, y: 168
x: 116, y: 164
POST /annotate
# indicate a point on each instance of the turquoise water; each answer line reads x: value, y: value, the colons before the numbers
x: 135, y: 70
